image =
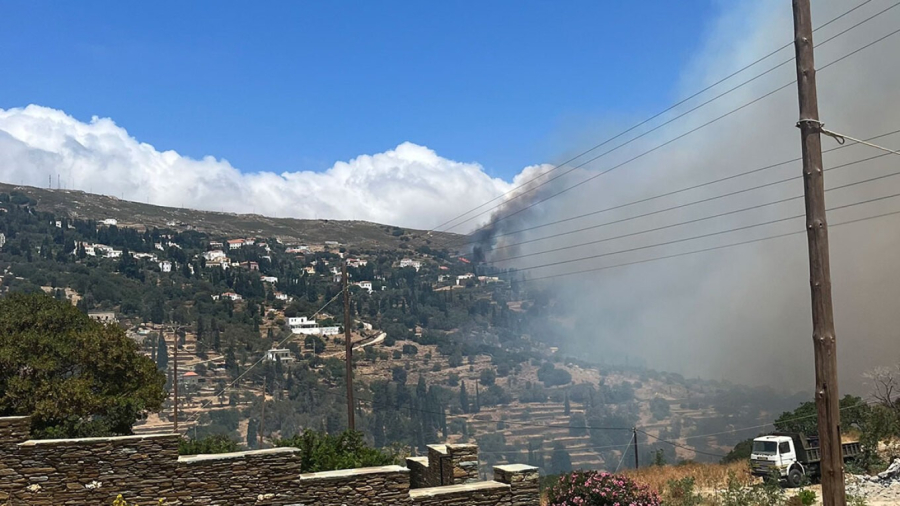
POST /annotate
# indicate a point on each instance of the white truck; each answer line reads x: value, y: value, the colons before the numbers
x: 792, y: 456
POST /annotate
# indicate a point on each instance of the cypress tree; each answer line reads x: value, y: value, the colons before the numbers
x: 162, y: 354
x: 463, y: 397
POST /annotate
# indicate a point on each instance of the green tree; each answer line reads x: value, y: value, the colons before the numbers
x: 73, y: 376
x: 560, y: 461
x: 162, y: 354
x: 326, y: 452
x: 253, y: 433
x: 463, y: 398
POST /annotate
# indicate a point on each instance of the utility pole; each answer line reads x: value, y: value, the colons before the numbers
x: 175, y: 375
x: 262, y: 414
x: 634, y: 438
x: 351, y: 416
x: 819, y: 269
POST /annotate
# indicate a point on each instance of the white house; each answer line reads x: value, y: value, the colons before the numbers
x: 215, y: 296
x: 408, y: 262
x: 235, y: 243
x: 283, y: 355
x: 145, y: 256
x: 305, y: 326
x: 281, y: 296
x: 214, y: 255
x: 216, y: 245
x: 113, y: 253
x: 269, y: 279
x: 109, y: 221
x: 233, y: 296
x: 365, y: 285
x: 301, y: 321
x: 104, y: 317
x: 165, y: 266
x: 461, y: 279
x: 356, y: 262
x: 249, y: 242
x: 159, y: 246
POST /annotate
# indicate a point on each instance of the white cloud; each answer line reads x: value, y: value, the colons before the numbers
x: 409, y: 185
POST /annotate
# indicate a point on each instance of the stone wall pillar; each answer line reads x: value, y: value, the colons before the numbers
x: 13, y: 430
x: 464, y: 463
x: 523, y: 480
x: 440, y: 471
x: 418, y: 472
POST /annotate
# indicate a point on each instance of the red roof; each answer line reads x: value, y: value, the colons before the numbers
x: 191, y: 373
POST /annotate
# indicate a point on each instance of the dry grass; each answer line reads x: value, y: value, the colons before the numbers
x: 706, y: 476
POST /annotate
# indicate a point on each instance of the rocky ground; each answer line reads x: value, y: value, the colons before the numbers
x: 877, y: 490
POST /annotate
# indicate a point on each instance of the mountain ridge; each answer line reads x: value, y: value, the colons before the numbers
x: 85, y: 205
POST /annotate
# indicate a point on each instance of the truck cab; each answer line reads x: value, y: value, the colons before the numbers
x: 773, y: 455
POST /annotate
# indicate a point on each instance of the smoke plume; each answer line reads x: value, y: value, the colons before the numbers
x: 740, y: 313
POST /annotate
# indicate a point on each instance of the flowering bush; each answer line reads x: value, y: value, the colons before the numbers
x: 596, y: 488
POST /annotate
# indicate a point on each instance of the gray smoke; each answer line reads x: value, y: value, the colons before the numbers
x: 741, y: 313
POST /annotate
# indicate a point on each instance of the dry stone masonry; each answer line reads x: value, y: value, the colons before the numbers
x: 147, y: 468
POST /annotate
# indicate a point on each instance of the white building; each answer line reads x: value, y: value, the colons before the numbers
x: 110, y: 222
x: 408, y: 262
x: 235, y: 243
x: 281, y: 296
x: 269, y: 279
x: 283, y: 355
x: 104, y: 317
x: 144, y: 256
x: 215, y: 255
x: 159, y: 246
x: 305, y: 326
x: 165, y: 266
x: 365, y: 285
x: 356, y: 262
x: 2, y: 239
x: 233, y: 296
x: 461, y: 279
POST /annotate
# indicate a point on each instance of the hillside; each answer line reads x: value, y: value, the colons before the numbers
x: 88, y: 206
x: 446, y: 352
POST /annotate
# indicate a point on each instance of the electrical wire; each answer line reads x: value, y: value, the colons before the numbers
x: 677, y: 104
x: 668, y: 194
x: 704, y: 218
x: 656, y: 128
x: 704, y: 250
x: 677, y: 445
x: 700, y: 236
x: 261, y: 359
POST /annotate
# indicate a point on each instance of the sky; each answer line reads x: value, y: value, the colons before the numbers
x: 298, y: 86
x: 410, y: 114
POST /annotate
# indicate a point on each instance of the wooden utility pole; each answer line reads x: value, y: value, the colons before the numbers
x: 819, y: 269
x: 175, y: 375
x: 634, y: 438
x: 351, y: 417
x: 262, y: 414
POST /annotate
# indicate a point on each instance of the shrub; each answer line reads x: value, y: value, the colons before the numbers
x: 597, y: 488
x: 681, y: 493
x: 326, y: 452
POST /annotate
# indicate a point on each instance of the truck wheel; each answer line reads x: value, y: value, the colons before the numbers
x: 795, y: 477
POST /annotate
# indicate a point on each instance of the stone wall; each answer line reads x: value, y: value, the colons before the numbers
x: 147, y: 468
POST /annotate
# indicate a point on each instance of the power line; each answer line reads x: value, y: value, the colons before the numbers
x: 701, y: 236
x: 656, y: 128
x: 704, y: 250
x: 261, y: 359
x: 677, y: 445
x: 677, y: 104
x: 673, y: 192
x: 697, y: 220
